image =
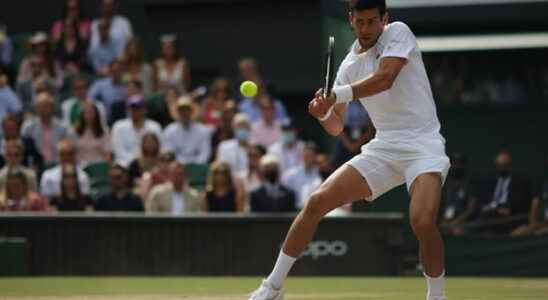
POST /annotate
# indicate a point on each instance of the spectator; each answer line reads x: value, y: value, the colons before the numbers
x: 248, y: 68
x: 234, y: 151
x: 71, y: 198
x: 325, y: 169
x: 538, y: 215
x: 267, y: 130
x: 190, y: 141
x: 358, y: 130
x: 460, y: 197
x: 505, y: 196
x: 72, y: 10
x: 109, y: 90
x: 170, y: 69
x: 127, y: 134
x: 71, y: 50
x: 106, y: 49
x: 213, y: 105
x: 9, y: 102
x: 93, y: 142
x: 288, y: 149
x: 14, y: 156
x: 224, y: 130
x: 16, y: 195
x: 251, y: 177
x: 148, y: 158
x: 222, y: 193
x: 46, y: 130
x: 50, y: 183
x: 135, y: 66
x: 298, y: 177
x: 6, y: 47
x: 272, y: 196
x: 158, y: 175
x: 11, y: 130
x: 40, y: 64
x: 120, y: 27
x: 251, y: 107
x: 175, y: 196
x: 72, y: 107
x: 120, y: 197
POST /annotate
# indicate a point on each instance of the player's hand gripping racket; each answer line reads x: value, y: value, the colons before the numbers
x: 329, y: 66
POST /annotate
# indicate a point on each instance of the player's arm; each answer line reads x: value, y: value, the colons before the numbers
x: 331, y: 116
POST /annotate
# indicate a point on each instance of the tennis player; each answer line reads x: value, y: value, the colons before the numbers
x: 385, y: 72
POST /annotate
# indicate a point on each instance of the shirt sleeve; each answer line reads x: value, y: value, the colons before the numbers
x: 205, y: 148
x: 399, y: 41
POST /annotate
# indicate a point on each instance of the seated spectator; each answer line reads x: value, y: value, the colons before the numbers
x: 272, y: 196
x: 70, y: 50
x: 251, y: 177
x: 71, y: 198
x: 506, y: 195
x: 72, y: 10
x: 6, y: 47
x: 460, y: 197
x: 14, y: 150
x: 45, y: 130
x: 120, y: 27
x: 175, y: 196
x: 135, y: 66
x: 267, y: 130
x: 106, y: 49
x: 40, y: 64
x: 127, y: 134
x: 252, y: 109
x: 222, y: 192
x: 16, y: 195
x: 93, y: 140
x: 213, y: 105
x: 109, y: 90
x: 9, y: 101
x: 148, y: 157
x: 120, y: 197
x: 301, y: 175
x: 248, y: 69
x: 288, y: 149
x: 11, y: 130
x: 358, y: 130
x: 72, y: 107
x: 50, y: 183
x: 224, y: 130
x: 170, y: 69
x: 538, y: 215
x: 234, y: 151
x: 158, y: 175
x: 190, y: 141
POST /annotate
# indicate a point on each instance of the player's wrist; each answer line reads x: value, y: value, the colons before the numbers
x: 327, y: 114
x: 343, y: 94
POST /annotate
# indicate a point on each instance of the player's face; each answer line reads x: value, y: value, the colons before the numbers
x: 368, y: 25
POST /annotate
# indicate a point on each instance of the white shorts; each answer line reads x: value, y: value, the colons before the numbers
x: 387, y: 165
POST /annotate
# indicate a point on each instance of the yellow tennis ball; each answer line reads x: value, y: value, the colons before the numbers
x: 248, y: 88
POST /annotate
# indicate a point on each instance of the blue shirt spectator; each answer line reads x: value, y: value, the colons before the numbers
x: 9, y: 102
x: 6, y: 48
x: 106, y: 49
x: 252, y: 110
x: 109, y: 90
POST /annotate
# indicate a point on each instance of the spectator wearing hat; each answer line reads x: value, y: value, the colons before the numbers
x: 235, y: 151
x: 267, y: 130
x: 271, y: 196
x: 288, y: 149
x: 127, y: 133
x: 120, y: 27
x: 170, y: 69
x: 45, y: 130
x: 109, y: 90
x: 106, y: 49
x: 298, y: 177
x: 120, y: 197
x: 190, y: 141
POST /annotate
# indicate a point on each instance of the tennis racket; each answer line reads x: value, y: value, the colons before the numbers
x: 329, y: 67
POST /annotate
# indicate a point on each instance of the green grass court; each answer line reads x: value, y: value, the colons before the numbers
x: 229, y: 288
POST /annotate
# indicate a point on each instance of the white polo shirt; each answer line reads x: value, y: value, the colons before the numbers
x: 406, y: 111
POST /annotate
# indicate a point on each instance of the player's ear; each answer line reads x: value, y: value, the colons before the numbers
x: 385, y: 18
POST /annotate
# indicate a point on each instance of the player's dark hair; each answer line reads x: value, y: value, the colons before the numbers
x: 368, y: 4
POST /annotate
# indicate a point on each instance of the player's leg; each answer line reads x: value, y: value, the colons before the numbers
x: 425, y: 201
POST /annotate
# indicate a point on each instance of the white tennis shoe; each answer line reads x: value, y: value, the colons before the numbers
x: 267, y: 292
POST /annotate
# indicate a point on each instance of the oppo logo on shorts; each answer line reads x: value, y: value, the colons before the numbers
x: 319, y: 249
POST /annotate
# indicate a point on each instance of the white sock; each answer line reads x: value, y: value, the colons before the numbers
x: 435, y: 285
x: 281, y: 269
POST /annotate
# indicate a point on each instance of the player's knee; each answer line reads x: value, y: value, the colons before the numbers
x: 423, y: 224
x: 316, y: 205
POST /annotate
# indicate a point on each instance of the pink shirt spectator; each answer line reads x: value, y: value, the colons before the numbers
x: 84, y: 27
x: 92, y: 149
x: 264, y: 134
